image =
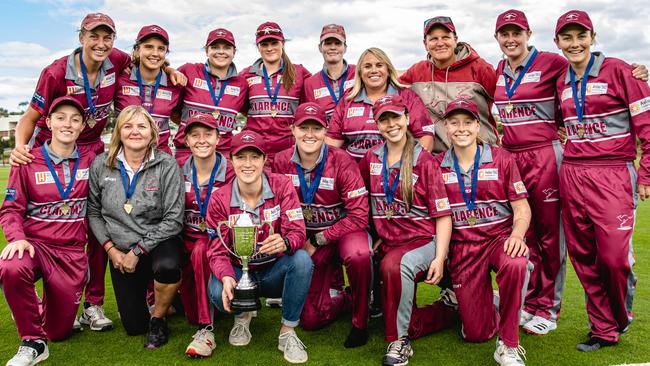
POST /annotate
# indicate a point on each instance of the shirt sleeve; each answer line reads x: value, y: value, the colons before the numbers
x: 13, y: 208
x: 218, y: 256
x: 407, y: 77
x: 292, y: 224
x: 47, y: 89
x: 95, y: 218
x: 420, y: 123
x: 121, y: 60
x: 335, y: 128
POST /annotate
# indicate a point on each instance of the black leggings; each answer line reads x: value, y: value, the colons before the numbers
x: 163, y: 264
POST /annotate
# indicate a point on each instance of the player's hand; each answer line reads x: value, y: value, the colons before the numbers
x: 436, y: 270
x: 640, y: 72
x: 117, y: 258
x: 274, y: 244
x: 129, y: 262
x: 375, y: 245
x: 228, y: 292
x: 20, y: 155
x: 18, y: 246
x: 514, y: 246
x: 177, y: 78
x: 309, y: 248
x: 643, y: 191
x: 561, y: 134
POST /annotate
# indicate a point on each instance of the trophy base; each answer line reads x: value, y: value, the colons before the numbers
x: 245, y: 300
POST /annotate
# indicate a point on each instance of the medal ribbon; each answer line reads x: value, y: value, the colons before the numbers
x: 308, y: 192
x: 580, y: 107
x: 84, y: 73
x: 510, y: 91
x: 155, y: 88
x: 326, y: 79
x: 59, y: 186
x: 222, y: 90
x: 267, y: 82
x: 128, y: 188
x: 470, y: 202
x: 203, y: 205
x: 389, y: 192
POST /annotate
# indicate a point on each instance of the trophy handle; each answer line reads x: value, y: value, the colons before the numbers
x: 221, y: 238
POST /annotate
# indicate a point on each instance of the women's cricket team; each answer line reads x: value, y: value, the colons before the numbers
x: 347, y: 170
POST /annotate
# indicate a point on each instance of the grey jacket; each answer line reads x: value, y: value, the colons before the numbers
x: 158, y: 204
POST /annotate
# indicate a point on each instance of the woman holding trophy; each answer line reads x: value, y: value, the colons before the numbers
x: 265, y: 216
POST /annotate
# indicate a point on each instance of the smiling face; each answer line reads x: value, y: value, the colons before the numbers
x: 332, y: 50
x: 440, y: 43
x: 309, y: 136
x: 248, y: 165
x: 270, y: 50
x: 151, y: 52
x: 374, y: 72
x: 462, y: 129
x: 575, y: 42
x: 136, y: 133
x: 393, y: 126
x: 66, y: 124
x: 97, y: 44
x: 202, y: 141
x: 220, y: 54
x: 513, y: 41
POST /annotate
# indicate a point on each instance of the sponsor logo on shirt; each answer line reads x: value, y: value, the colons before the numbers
x: 75, y: 89
x: 326, y: 183
x: 254, y: 80
x: 488, y: 174
x: 232, y: 90
x: 442, y: 204
x: 295, y: 214
x: 449, y: 178
x: 357, y: 192
x: 626, y: 222
x: 108, y: 80
x: 596, y: 88
x: 356, y: 111
x: 233, y: 219
x: 501, y: 81
x: 415, y: 178
x: 39, y: 100
x: 532, y: 77
x: 272, y: 214
x: 164, y: 94
x: 520, y: 188
x: 82, y: 174
x: 294, y: 179
x: 151, y: 184
x: 200, y: 84
x: 43, y: 177
x: 640, y: 106
x: 109, y: 179
x: 375, y: 168
x: 188, y: 187
x: 348, y: 84
x: 321, y: 93
x: 10, y: 194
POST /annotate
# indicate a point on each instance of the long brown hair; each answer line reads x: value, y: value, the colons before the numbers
x: 129, y: 113
x: 289, y: 72
x: 406, y: 171
x: 393, y: 76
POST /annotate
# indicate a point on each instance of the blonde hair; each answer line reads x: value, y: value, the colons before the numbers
x: 129, y: 113
x: 393, y: 76
x: 406, y: 171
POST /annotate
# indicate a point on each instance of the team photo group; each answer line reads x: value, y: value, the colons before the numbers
x: 327, y: 194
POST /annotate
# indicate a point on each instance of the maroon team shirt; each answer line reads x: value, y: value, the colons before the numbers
x: 279, y: 206
x: 316, y: 91
x: 616, y: 113
x: 353, y: 121
x: 197, y: 99
x: 275, y: 130
x: 429, y: 198
x: 32, y: 207
x: 61, y: 78
x: 498, y: 183
x: 340, y: 204
x: 532, y: 121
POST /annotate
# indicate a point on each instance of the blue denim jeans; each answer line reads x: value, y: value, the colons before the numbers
x: 288, y: 277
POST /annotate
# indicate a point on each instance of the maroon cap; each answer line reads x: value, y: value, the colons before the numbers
x: 466, y: 105
x: 388, y: 103
x: 310, y: 111
x: 66, y: 100
x: 512, y: 17
x: 152, y: 30
x: 220, y: 34
x: 94, y: 20
x: 268, y: 30
x: 333, y: 31
x: 442, y: 20
x: 578, y: 17
x: 246, y: 139
x: 205, y: 119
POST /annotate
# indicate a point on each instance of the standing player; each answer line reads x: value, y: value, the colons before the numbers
x: 328, y: 86
x: 275, y: 86
x: 43, y: 219
x: 491, y: 215
x: 411, y: 215
x: 604, y: 111
x: 335, y: 208
x: 213, y: 87
x: 352, y: 125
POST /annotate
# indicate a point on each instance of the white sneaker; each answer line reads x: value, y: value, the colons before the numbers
x: 240, y: 335
x: 28, y: 353
x: 76, y: 326
x: 273, y: 302
x: 95, y: 318
x: 539, y: 326
x: 294, y: 350
x: 203, y: 343
x: 524, y: 318
x: 509, y: 356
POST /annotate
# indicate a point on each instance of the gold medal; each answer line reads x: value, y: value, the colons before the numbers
x: 471, y: 220
x: 128, y: 207
x: 202, y: 226
x: 581, y: 131
x: 65, y: 209
x: 274, y: 112
x: 216, y: 114
x: 308, y: 213
x: 509, y: 107
x: 91, y: 122
x: 389, y: 213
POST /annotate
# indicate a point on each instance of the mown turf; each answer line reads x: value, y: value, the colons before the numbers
x: 325, y: 346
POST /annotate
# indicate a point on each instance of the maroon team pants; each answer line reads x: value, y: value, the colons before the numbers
x: 470, y: 265
x: 63, y: 270
x: 194, y: 282
x: 354, y: 251
x: 598, y: 212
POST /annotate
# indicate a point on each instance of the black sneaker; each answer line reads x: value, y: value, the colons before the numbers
x: 158, y: 333
x: 594, y: 344
x: 356, y: 338
x: 398, y: 353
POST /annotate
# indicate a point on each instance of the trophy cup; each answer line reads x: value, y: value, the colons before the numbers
x: 244, y: 243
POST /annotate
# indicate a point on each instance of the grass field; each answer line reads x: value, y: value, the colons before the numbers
x: 325, y: 346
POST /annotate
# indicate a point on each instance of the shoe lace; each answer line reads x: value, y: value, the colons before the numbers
x: 294, y: 341
x: 240, y: 328
x: 516, y: 352
x: 395, y: 349
x: 201, y: 334
x: 27, y: 352
x: 96, y: 312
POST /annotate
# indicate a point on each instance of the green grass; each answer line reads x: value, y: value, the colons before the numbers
x: 325, y: 346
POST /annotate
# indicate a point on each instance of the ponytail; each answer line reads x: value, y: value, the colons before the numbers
x: 289, y: 72
x: 406, y: 171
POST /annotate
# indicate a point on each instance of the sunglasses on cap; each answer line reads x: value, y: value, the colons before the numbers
x: 266, y: 31
x: 441, y: 20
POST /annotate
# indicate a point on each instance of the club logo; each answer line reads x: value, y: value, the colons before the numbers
x: 248, y: 138
x: 572, y: 16
x: 550, y: 192
x: 311, y: 110
x: 510, y: 17
x: 155, y: 29
x: 625, y: 221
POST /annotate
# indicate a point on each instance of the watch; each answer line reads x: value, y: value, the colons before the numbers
x: 137, y: 251
x: 288, y: 245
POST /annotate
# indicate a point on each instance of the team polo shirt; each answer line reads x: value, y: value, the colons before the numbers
x: 167, y: 97
x: 316, y: 90
x: 193, y: 217
x: 275, y: 130
x: 61, y: 78
x: 32, y: 207
x: 353, y: 121
x: 197, y: 99
x: 498, y: 184
x: 532, y: 121
x: 429, y: 198
x: 340, y: 205
x: 616, y: 113
x: 279, y: 205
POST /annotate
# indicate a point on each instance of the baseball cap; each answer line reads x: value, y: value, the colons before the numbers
x: 578, y: 17
x: 66, y: 100
x: 152, y: 30
x: 333, y: 31
x: 512, y: 17
x: 389, y: 103
x: 220, y: 34
x: 465, y: 105
x: 94, y: 20
x: 310, y: 111
x: 268, y: 30
x: 246, y: 139
x: 440, y: 20
x: 205, y: 119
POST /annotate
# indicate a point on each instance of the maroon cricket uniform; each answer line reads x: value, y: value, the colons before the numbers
x: 408, y: 242
x: 598, y: 187
x: 34, y: 211
x: 477, y: 248
x: 340, y: 211
x: 315, y: 88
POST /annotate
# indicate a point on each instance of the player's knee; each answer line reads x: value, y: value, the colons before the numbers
x: 309, y: 319
x: 13, y: 271
x: 358, y: 259
x: 167, y: 272
x: 389, y: 267
x: 301, y: 263
x: 517, y: 265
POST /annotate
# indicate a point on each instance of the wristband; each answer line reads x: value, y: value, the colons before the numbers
x: 109, y: 249
x: 288, y: 245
